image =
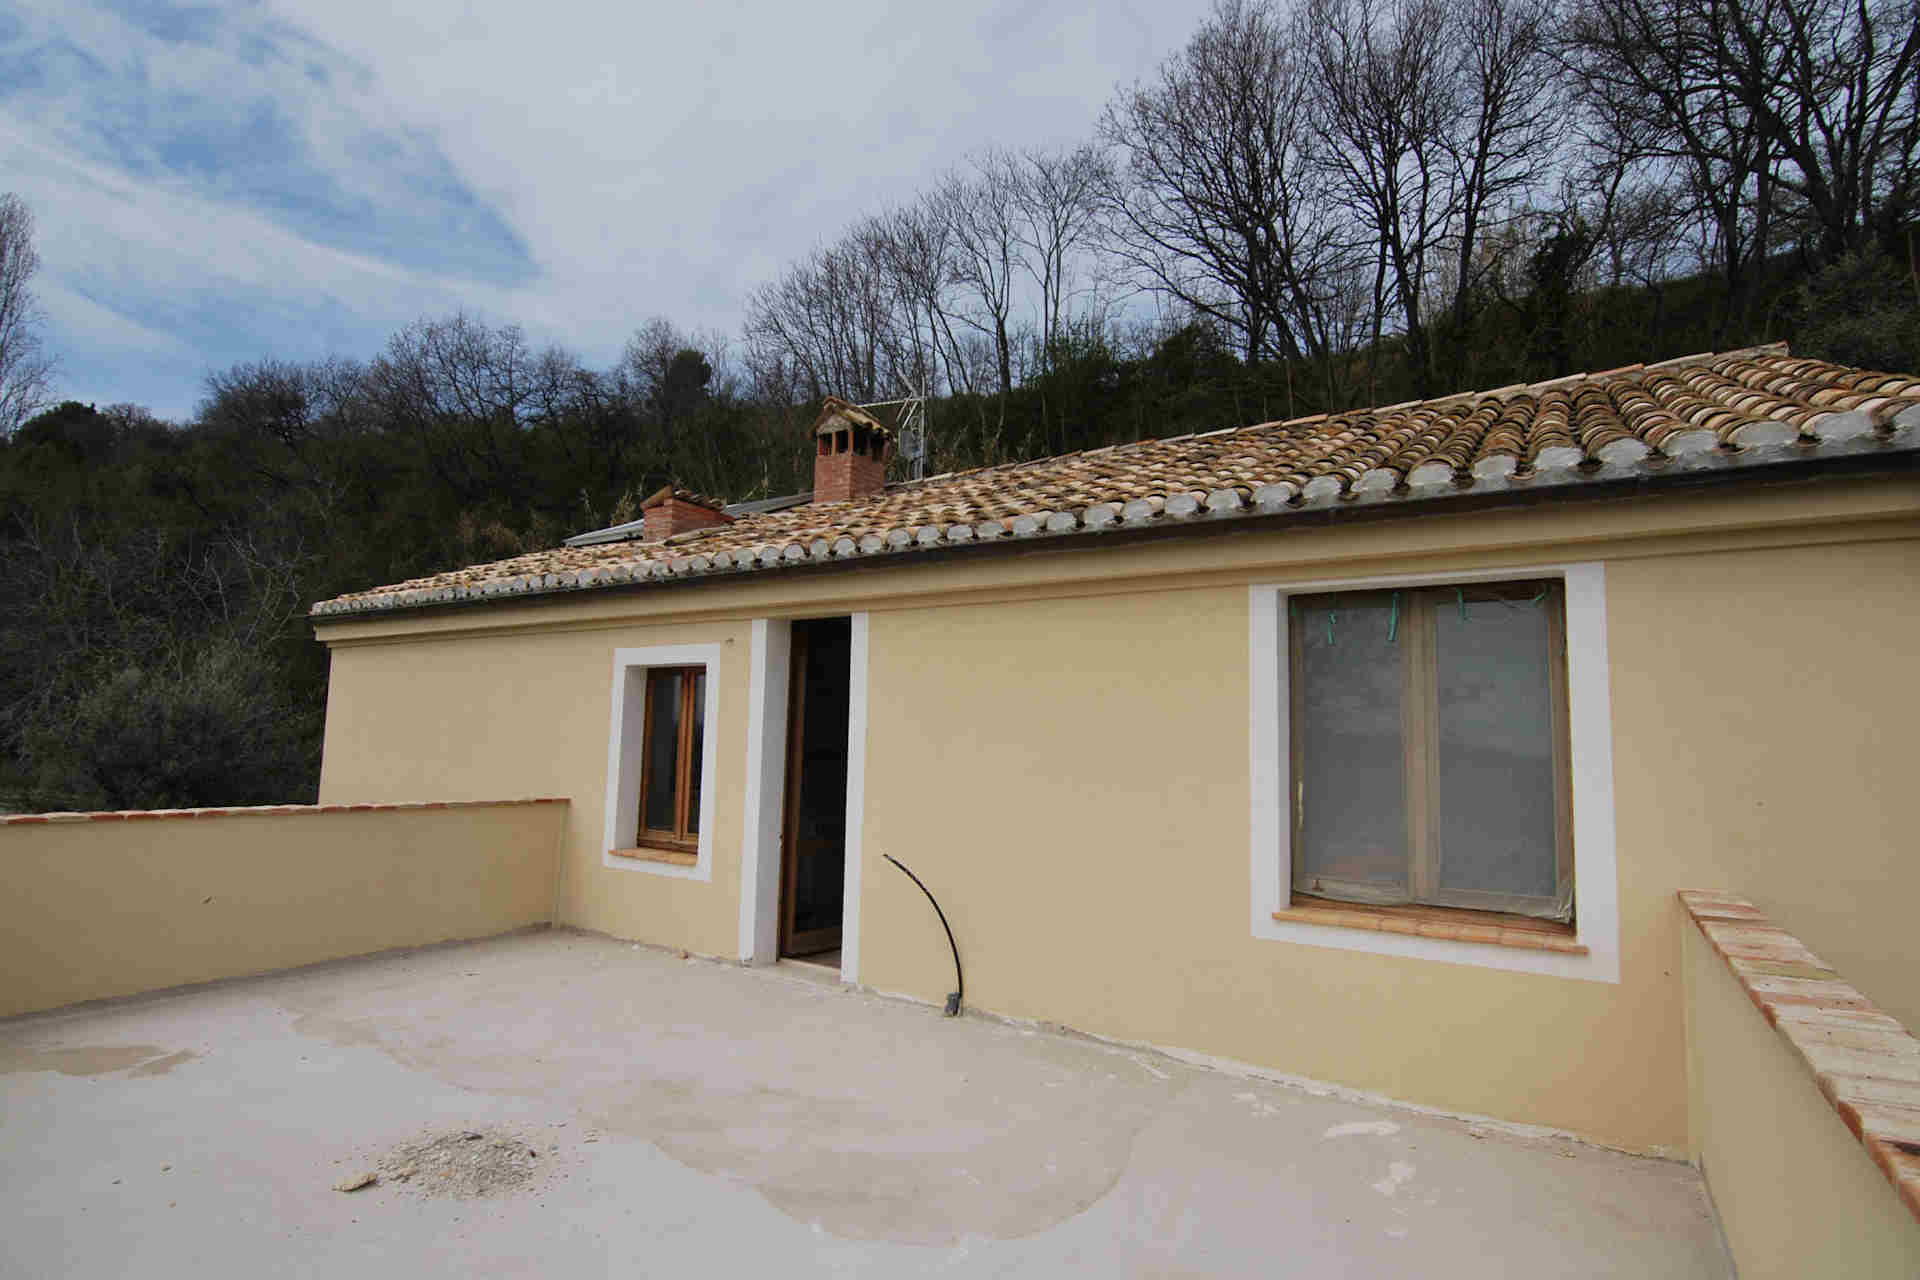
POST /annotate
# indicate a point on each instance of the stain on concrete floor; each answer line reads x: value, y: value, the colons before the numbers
x: 872, y: 1131
x: 92, y: 1059
x: 722, y: 1119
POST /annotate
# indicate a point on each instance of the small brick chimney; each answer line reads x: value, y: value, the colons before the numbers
x: 670, y: 511
x: 849, y: 453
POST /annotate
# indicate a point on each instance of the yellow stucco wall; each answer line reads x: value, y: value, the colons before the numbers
x: 1766, y: 722
x: 1105, y: 882
x: 114, y: 908
x: 472, y: 717
x: 1796, y: 1193
x: 1058, y: 745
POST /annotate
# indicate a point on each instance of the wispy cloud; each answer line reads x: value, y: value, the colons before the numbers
x: 242, y: 109
x: 304, y: 176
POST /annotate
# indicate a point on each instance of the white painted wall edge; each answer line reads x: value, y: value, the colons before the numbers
x: 856, y: 800
x: 766, y: 774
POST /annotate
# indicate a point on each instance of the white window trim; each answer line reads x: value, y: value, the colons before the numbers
x: 625, y: 749
x: 1590, y: 734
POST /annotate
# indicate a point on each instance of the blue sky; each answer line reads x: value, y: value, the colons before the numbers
x: 217, y: 183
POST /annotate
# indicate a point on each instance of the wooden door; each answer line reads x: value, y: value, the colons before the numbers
x: 813, y: 862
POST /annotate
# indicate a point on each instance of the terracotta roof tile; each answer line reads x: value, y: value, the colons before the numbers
x: 1733, y: 404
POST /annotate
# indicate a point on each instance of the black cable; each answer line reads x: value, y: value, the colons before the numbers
x: 959, y: 979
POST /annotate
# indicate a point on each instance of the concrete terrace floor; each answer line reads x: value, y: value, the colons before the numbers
x: 698, y: 1118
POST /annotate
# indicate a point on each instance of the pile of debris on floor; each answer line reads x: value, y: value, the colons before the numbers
x: 463, y: 1163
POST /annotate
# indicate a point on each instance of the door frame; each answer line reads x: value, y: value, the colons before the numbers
x: 764, y: 819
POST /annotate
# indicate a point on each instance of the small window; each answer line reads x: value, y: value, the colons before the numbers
x: 1429, y: 748
x: 670, y: 765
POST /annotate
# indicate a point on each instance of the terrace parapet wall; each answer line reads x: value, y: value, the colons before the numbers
x: 127, y: 902
x: 1793, y: 1169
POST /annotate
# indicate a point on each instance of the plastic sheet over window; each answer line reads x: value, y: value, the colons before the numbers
x: 1350, y: 792
x: 1428, y: 731
x: 1493, y: 691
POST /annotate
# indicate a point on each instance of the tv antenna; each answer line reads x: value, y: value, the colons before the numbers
x: 909, y: 428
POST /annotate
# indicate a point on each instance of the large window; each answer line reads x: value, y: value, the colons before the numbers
x: 1429, y: 748
x: 670, y: 764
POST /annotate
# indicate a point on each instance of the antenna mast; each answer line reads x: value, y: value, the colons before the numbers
x: 910, y: 428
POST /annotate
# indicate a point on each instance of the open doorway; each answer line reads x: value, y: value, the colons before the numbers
x: 814, y: 838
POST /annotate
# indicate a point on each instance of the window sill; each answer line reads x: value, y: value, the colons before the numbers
x: 1431, y: 923
x: 673, y: 857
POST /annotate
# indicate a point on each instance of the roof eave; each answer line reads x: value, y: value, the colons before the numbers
x: 1783, y: 464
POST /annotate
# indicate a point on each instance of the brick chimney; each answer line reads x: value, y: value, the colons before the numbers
x: 670, y: 511
x: 849, y: 453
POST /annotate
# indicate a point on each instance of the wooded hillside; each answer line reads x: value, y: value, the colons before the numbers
x: 1312, y: 207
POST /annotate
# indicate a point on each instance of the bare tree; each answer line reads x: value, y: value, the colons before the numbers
x: 463, y: 391
x: 1057, y: 197
x: 280, y: 421
x: 821, y: 326
x: 1385, y: 99
x: 982, y: 223
x: 26, y: 371
x: 1436, y: 119
x: 1644, y: 75
x: 1779, y: 116
x: 293, y: 404
x: 1503, y: 142
x: 936, y: 343
x: 1217, y: 202
x: 669, y: 372
x: 1834, y: 89
x: 912, y: 245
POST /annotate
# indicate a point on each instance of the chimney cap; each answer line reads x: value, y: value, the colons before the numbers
x: 836, y: 414
x: 668, y: 491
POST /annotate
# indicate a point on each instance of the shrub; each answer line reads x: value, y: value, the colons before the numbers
x: 221, y: 732
x: 1861, y: 310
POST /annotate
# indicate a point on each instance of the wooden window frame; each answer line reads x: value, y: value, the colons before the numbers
x: 681, y: 839
x: 1421, y: 761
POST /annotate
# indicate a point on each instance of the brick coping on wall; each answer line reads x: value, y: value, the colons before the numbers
x: 130, y: 815
x: 1865, y: 1062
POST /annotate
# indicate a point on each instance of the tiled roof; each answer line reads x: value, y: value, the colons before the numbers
x: 1704, y: 412
x: 634, y: 529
